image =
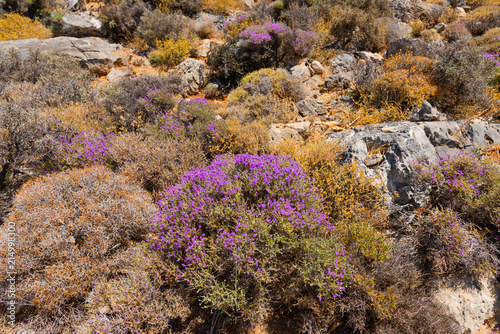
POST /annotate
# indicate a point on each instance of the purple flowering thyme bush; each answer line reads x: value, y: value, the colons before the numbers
x: 259, y: 46
x: 450, y: 245
x: 85, y: 149
x: 467, y: 184
x: 248, y: 234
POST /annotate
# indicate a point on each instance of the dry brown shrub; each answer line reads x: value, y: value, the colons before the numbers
x: 238, y: 137
x: 154, y: 162
x: 68, y: 226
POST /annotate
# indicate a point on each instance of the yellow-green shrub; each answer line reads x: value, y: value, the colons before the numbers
x: 238, y: 138
x: 15, y: 26
x: 417, y: 27
x: 233, y: 29
x: 353, y: 202
x: 489, y: 41
x: 484, y: 13
x: 171, y: 52
x: 404, y: 84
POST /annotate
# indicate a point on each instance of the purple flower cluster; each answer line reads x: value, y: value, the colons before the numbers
x: 462, y: 174
x: 157, y: 101
x: 86, y: 149
x: 200, y: 114
x: 493, y: 55
x: 256, y: 34
x: 234, y: 217
x: 170, y: 126
x: 266, y: 32
x: 277, y: 28
x: 304, y: 41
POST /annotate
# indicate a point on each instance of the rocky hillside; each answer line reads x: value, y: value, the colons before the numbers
x: 202, y: 166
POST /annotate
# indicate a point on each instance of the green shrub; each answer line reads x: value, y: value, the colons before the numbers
x: 155, y: 163
x: 467, y: 184
x: 403, y: 83
x: 121, y: 101
x: 121, y: 20
x: 171, y: 52
x: 266, y: 93
x: 456, y: 31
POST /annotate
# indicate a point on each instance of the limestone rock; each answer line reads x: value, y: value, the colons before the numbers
x: 277, y: 134
x: 195, y: 73
x: 74, y: 5
x: 384, y: 151
x: 81, y: 24
x: 316, y: 67
x: 301, y: 127
x: 469, y: 302
x: 340, y: 80
x: 403, y: 45
x: 481, y: 133
x: 342, y: 63
x: 217, y: 20
x: 95, y: 53
x: 116, y: 75
x: 427, y: 112
x: 300, y: 72
x: 309, y: 107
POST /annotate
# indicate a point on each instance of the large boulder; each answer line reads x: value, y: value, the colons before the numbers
x: 468, y: 301
x: 385, y: 151
x: 195, y: 73
x: 94, y: 53
x: 80, y: 25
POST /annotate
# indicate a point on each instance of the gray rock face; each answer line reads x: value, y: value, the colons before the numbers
x: 413, y: 45
x: 115, y: 75
x: 80, y: 25
x: 309, y: 107
x: 74, y: 5
x: 342, y: 68
x: 468, y: 302
x: 343, y: 63
x: 407, y: 10
x: 95, y: 53
x: 340, y: 80
x: 277, y: 134
x: 195, y: 73
x: 300, y: 72
x: 427, y: 112
x: 395, y: 28
x: 217, y: 20
x: 384, y: 151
